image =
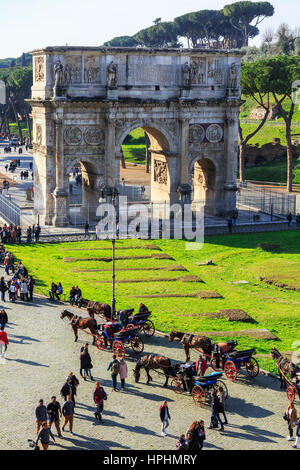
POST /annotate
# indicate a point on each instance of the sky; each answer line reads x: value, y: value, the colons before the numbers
x: 31, y: 24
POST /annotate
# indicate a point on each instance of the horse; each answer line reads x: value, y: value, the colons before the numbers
x: 191, y: 341
x: 100, y: 309
x: 82, y: 323
x: 153, y: 361
x: 284, y: 366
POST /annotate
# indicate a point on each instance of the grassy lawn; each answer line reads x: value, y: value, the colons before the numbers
x: 275, y: 171
x: 236, y: 257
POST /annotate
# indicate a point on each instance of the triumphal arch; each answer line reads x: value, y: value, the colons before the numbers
x: 85, y: 101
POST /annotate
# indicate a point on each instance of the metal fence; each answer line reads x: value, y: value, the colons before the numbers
x: 267, y: 201
x: 9, y: 211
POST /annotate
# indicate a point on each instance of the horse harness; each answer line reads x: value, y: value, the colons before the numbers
x: 189, y: 340
x: 75, y: 320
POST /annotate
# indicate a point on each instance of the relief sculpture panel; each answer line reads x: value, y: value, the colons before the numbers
x: 160, y: 172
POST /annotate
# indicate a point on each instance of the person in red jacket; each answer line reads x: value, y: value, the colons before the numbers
x: 3, y: 343
x: 201, y: 366
x: 99, y: 395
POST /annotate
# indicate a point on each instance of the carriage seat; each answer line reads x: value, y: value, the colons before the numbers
x: 213, y: 375
x: 238, y: 354
x: 124, y: 333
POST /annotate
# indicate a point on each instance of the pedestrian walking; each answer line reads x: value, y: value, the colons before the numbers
x: 3, y: 288
x: 3, y: 318
x: 123, y: 373
x: 86, y: 363
x: 114, y: 366
x: 40, y: 414
x: 54, y: 412
x: 68, y: 413
x: 202, y: 436
x: 229, y: 224
x: 290, y: 416
x: 44, y: 436
x: 30, y: 287
x: 164, y: 417
x: 99, y: 395
x: 290, y: 219
x: 215, y: 410
x: 3, y: 344
x: 67, y: 389
x: 24, y: 290
x: 222, y: 398
x: 86, y: 228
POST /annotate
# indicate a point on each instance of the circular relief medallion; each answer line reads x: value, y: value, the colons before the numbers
x: 196, y: 133
x: 214, y: 133
x: 93, y: 136
x: 72, y: 135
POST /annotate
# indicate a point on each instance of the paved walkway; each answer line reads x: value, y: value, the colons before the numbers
x: 41, y: 353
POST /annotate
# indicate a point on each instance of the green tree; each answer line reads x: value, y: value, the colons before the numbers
x: 252, y: 83
x: 122, y: 41
x: 242, y: 14
x: 279, y: 76
x: 160, y: 35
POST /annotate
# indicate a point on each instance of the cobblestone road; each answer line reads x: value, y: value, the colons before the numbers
x: 41, y: 353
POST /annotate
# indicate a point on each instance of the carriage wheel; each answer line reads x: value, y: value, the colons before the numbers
x: 220, y: 383
x: 129, y: 326
x: 137, y: 345
x: 177, y: 385
x: 213, y: 364
x: 230, y: 370
x: 100, y: 343
x: 252, y: 367
x: 149, y: 328
x: 118, y: 349
x: 198, y: 395
x: 290, y: 393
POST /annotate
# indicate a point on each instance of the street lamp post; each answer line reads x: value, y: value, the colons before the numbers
x: 113, y: 300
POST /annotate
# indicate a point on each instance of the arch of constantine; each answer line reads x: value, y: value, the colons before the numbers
x: 85, y: 101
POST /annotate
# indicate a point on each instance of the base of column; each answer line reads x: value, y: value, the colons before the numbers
x: 60, y: 218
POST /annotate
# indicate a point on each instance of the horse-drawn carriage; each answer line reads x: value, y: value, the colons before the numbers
x: 140, y: 320
x: 233, y: 361
x: 114, y: 335
x: 200, y: 387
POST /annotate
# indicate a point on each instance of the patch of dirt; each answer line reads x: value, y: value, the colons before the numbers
x: 109, y: 258
x: 201, y: 295
x: 236, y: 314
x: 158, y: 279
x: 129, y: 247
x: 157, y: 268
x: 282, y: 285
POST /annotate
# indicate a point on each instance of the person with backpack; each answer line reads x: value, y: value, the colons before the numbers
x: 164, y: 417
x: 99, y: 395
x: 114, y: 366
x: 216, y: 408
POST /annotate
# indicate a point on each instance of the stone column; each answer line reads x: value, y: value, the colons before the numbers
x: 231, y: 153
x: 110, y: 151
x: 184, y: 167
x: 60, y: 195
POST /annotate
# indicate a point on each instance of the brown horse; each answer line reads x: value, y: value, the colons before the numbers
x: 81, y: 323
x: 284, y: 366
x: 191, y: 341
x: 100, y: 309
x: 152, y: 361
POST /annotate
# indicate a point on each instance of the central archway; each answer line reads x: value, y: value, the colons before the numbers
x: 162, y: 187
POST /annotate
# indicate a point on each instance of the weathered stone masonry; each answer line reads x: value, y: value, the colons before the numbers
x: 85, y: 100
